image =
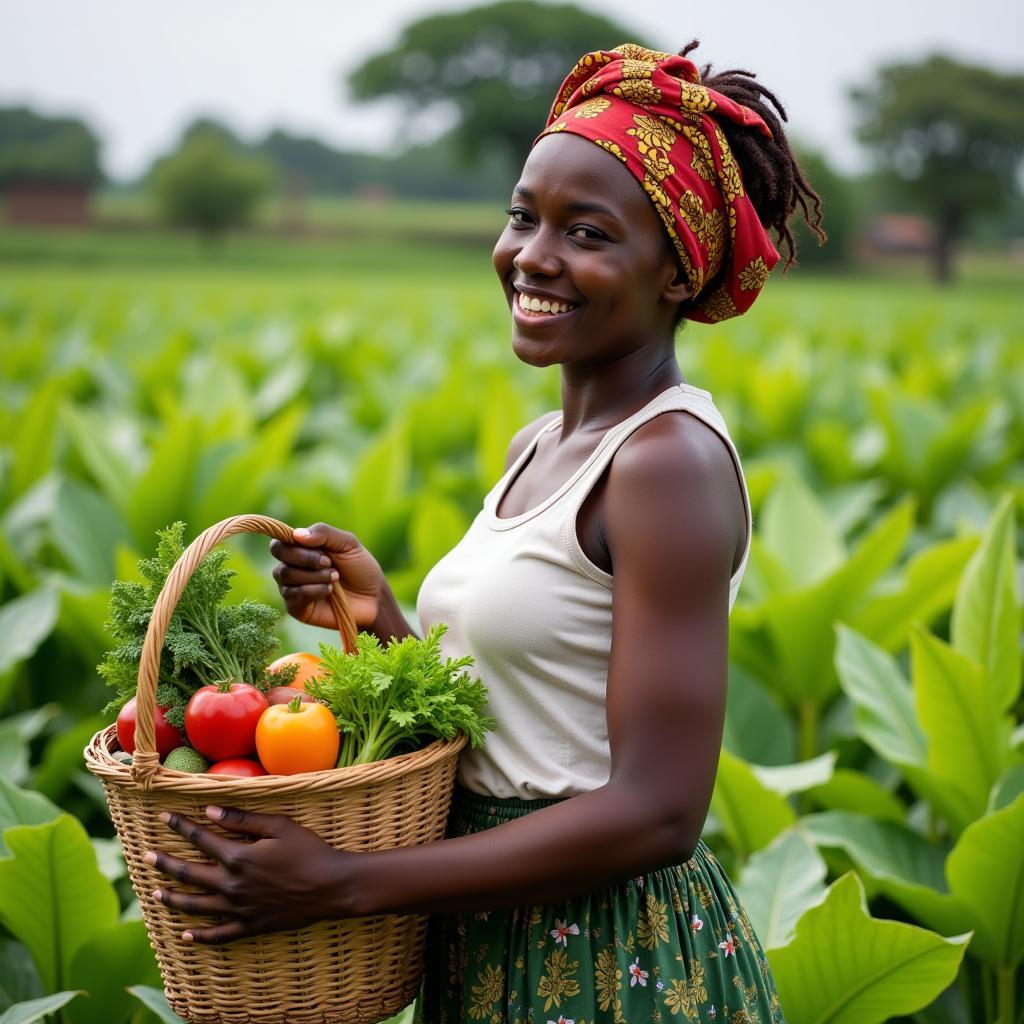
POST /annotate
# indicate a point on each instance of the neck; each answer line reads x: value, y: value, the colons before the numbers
x: 595, y: 398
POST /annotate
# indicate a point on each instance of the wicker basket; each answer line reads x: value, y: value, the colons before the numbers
x: 317, y: 974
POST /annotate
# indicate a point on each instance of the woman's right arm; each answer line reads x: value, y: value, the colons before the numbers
x: 322, y: 553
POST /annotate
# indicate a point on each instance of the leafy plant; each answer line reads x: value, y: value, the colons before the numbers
x: 207, y: 640
x: 387, y: 699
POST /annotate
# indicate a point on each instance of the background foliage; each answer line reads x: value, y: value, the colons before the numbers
x: 869, y: 799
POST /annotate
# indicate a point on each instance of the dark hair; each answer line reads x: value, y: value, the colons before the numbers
x: 772, y: 176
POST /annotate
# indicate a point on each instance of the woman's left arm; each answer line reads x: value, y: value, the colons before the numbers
x: 671, y: 530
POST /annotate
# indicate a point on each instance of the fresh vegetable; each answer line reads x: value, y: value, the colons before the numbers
x: 167, y: 737
x: 241, y: 766
x: 186, y: 759
x: 297, y: 737
x: 221, y: 720
x: 207, y: 640
x: 284, y: 694
x: 307, y: 666
x: 392, y: 699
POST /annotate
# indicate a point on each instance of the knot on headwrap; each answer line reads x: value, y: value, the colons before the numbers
x: 650, y: 110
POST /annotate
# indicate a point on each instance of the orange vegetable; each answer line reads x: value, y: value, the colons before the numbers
x: 309, y: 666
x: 297, y: 737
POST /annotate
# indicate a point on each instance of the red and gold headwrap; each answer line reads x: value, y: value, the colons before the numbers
x: 650, y: 111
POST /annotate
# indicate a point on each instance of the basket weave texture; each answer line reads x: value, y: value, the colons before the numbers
x: 352, y: 971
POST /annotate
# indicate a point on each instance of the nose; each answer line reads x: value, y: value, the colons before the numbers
x: 538, y: 256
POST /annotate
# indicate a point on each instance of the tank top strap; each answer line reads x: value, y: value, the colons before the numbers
x: 685, y: 397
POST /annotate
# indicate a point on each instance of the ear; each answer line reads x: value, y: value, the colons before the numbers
x: 677, y: 287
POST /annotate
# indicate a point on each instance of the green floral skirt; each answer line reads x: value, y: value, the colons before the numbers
x: 671, y: 944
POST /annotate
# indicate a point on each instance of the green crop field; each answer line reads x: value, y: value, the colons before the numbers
x: 870, y: 798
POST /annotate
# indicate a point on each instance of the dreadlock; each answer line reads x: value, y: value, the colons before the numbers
x: 772, y: 177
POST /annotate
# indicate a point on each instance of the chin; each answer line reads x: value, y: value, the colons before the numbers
x: 532, y: 351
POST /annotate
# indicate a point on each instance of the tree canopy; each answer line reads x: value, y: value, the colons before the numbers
x: 46, y: 149
x: 209, y: 183
x: 950, y: 134
x: 497, y: 66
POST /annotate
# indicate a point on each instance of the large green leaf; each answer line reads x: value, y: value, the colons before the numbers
x: 233, y: 478
x: 63, y: 754
x: 850, y: 790
x: 797, y: 530
x: 13, y: 753
x: 91, y: 434
x: 437, y: 525
x: 86, y: 530
x: 25, y: 623
x: 929, y: 585
x: 986, y: 872
x: 750, y: 813
x: 968, y: 740
x: 155, y: 1000
x: 845, y: 967
x: 756, y: 727
x: 379, y: 483
x: 882, y: 698
x: 986, y: 615
x: 502, y: 413
x: 161, y: 493
x: 907, y: 868
x: 105, y: 965
x: 802, y: 624
x: 19, y: 979
x: 22, y: 807
x: 786, y: 779
x: 35, y: 436
x: 778, y: 884
x: 37, y: 1009
x: 52, y: 895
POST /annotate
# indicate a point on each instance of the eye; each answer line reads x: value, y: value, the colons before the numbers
x: 593, y: 234
x: 518, y: 215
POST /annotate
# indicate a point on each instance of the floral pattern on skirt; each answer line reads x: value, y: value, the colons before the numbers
x: 670, y: 945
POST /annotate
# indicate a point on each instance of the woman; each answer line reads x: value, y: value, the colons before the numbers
x: 593, y: 590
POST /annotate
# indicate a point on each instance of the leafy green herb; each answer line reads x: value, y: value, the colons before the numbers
x: 207, y: 641
x: 393, y: 699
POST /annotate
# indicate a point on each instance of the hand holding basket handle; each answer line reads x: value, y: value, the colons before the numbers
x: 311, y: 560
x: 334, y: 600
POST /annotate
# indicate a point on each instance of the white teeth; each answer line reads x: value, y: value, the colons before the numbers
x: 535, y: 305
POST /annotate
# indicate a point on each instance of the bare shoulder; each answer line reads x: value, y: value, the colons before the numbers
x: 674, y: 475
x: 522, y: 438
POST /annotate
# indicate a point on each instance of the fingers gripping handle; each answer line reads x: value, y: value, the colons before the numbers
x: 146, y: 760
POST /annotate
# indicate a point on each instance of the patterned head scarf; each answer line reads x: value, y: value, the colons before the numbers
x: 650, y: 111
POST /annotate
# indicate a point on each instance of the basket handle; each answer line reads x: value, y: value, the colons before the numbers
x: 146, y: 760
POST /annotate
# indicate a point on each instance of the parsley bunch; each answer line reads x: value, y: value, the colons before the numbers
x: 207, y: 641
x: 394, y: 699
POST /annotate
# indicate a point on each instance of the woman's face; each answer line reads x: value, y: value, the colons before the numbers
x: 583, y: 238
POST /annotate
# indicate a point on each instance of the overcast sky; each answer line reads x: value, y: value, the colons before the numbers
x: 139, y: 70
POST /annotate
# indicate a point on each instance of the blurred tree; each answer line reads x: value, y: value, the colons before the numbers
x: 210, y: 183
x: 498, y: 66
x: 952, y: 134
x: 34, y: 148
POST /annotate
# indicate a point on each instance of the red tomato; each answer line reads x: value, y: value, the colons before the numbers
x: 221, y: 720
x: 241, y: 766
x: 167, y: 737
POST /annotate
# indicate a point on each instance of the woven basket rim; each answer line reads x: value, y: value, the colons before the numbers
x: 99, y: 761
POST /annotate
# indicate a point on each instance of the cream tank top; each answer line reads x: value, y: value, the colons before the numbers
x: 523, y: 599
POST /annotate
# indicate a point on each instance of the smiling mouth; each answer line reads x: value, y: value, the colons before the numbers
x: 533, y: 306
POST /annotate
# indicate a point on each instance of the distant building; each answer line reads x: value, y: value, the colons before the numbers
x: 898, y: 234
x: 48, y: 168
x: 39, y: 202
